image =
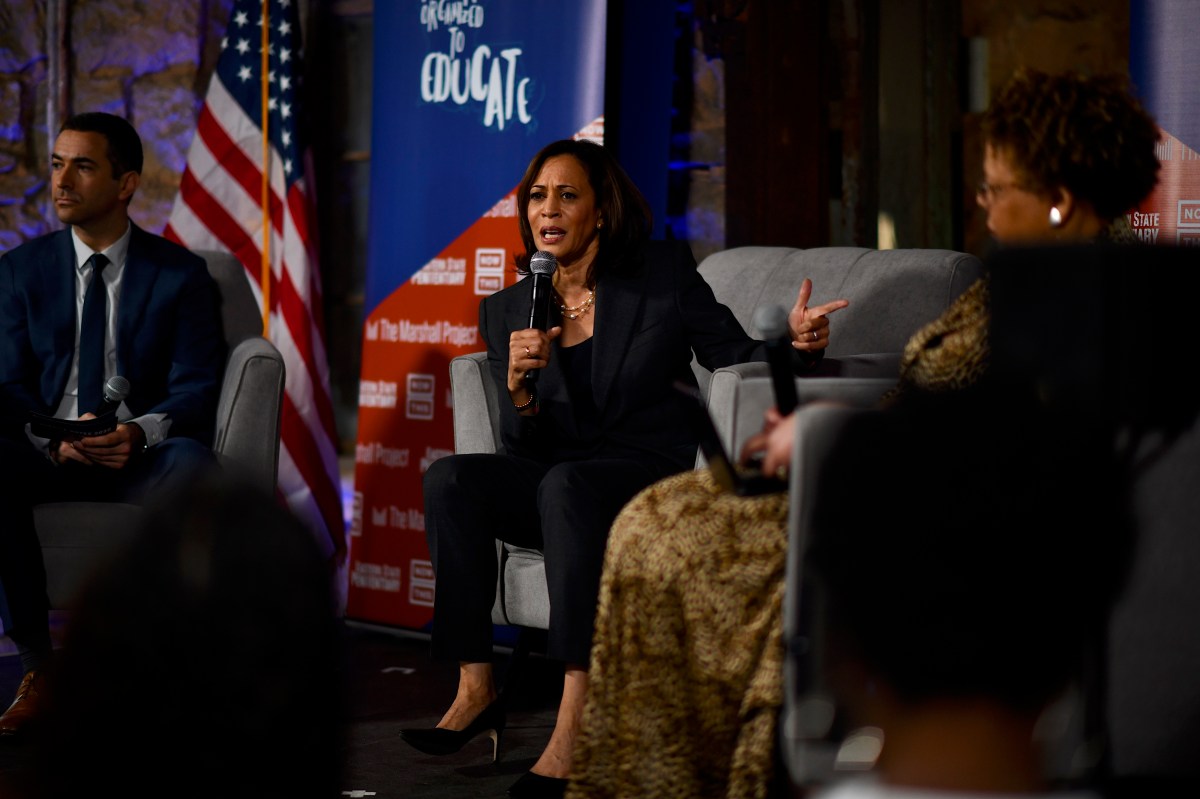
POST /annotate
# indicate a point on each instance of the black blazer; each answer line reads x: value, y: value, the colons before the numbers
x: 169, y: 340
x: 649, y: 320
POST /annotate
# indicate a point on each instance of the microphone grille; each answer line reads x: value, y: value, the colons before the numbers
x: 771, y: 321
x: 543, y: 263
x: 116, y: 389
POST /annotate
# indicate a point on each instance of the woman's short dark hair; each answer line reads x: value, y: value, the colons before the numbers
x: 124, y: 144
x: 626, y: 214
x: 1088, y: 134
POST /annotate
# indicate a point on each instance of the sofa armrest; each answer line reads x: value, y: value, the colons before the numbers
x: 246, y: 440
x: 476, y: 408
x: 874, y: 364
x: 807, y: 730
x: 739, y: 396
x: 733, y: 404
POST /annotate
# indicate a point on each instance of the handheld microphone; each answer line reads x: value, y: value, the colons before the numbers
x: 772, y: 324
x: 541, y: 276
x: 116, y: 389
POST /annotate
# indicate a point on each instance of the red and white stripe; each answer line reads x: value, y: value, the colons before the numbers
x: 218, y: 207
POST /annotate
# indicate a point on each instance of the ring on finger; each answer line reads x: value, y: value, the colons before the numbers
x: 527, y: 353
x: 815, y: 335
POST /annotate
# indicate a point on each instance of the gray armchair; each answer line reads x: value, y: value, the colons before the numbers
x: 891, y: 293
x: 77, y: 536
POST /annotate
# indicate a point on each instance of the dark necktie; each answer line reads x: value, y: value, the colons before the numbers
x: 91, y: 339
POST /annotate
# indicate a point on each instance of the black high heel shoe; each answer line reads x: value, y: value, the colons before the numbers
x: 439, y: 741
x: 535, y: 786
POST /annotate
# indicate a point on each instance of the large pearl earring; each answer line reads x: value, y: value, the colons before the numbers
x: 1055, y: 216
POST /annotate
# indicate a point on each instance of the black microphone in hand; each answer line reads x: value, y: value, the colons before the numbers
x: 771, y: 321
x: 116, y: 389
x: 541, y: 275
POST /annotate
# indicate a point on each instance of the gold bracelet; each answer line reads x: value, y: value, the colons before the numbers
x: 528, y: 402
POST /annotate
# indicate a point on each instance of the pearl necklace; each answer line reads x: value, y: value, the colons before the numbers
x: 579, y: 310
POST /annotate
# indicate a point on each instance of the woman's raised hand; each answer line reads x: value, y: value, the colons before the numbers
x: 810, y: 326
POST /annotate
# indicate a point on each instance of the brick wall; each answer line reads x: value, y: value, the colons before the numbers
x: 145, y: 61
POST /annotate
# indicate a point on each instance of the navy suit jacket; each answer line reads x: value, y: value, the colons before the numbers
x: 650, y: 318
x: 169, y: 340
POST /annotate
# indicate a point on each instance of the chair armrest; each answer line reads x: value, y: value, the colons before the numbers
x: 739, y: 396
x: 248, y: 412
x: 733, y: 404
x: 476, y: 407
x: 521, y: 594
x: 875, y: 364
x: 807, y: 737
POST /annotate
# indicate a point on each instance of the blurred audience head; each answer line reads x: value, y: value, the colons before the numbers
x: 1065, y: 156
x: 204, y: 662
x: 627, y: 219
x: 969, y: 547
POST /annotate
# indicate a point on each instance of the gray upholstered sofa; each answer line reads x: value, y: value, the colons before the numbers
x: 77, y: 536
x: 891, y: 293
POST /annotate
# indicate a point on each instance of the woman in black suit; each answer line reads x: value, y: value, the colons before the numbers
x: 601, y: 422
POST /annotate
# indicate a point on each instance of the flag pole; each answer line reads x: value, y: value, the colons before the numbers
x: 266, y: 173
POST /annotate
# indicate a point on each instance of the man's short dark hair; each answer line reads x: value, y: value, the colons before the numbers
x: 124, y: 144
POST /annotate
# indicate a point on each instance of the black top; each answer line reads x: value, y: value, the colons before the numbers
x: 649, y: 319
x: 583, y: 441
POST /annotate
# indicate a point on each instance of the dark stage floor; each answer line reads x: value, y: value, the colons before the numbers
x: 391, y: 683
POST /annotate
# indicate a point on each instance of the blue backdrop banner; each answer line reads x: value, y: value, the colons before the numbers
x: 1163, y: 65
x: 465, y: 93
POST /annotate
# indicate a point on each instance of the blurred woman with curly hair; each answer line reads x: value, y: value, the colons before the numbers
x: 686, y: 667
x: 1065, y: 157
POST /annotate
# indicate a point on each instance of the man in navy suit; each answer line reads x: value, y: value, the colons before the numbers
x: 153, y: 318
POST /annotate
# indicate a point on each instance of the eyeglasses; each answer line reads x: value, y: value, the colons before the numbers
x: 986, y: 193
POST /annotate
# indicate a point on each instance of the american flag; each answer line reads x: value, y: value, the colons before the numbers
x: 219, y: 206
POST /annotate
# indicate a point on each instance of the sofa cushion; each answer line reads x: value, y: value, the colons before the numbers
x: 892, y: 292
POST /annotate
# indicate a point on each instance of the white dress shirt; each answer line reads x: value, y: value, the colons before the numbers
x: 154, y: 425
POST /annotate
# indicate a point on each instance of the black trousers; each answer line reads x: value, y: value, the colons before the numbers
x: 28, y: 478
x: 564, y: 509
